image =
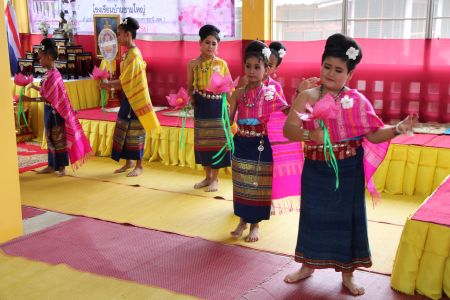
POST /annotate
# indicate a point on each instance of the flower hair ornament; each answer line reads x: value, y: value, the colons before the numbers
x: 124, y: 22
x: 352, y: 53
x: 220, y: 35
x: 266, y: 52
x: 281, y: 53
x: 42, y: 47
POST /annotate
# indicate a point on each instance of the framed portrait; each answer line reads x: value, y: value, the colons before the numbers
x: 101, y: 22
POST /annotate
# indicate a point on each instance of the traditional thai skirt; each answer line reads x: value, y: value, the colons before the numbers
x: 55, y: 133
x: 209, y: 134
x: 252, y: 174
x: 333, y: 223
x: 129, y: 134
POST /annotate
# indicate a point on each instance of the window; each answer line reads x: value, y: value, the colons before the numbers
x: 305, y: 20
x: 387, y: 19
x: 441, y: 19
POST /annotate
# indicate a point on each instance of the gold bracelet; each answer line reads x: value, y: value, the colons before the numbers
x: 306, y: 135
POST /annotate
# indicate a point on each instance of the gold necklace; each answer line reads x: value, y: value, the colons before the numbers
x: 244, y: 98
x: 335, y: 97
x: 206, y: 69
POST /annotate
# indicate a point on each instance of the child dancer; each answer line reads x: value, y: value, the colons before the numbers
x: 136, y: 115
x: 209, y: 135
x: 333, y: 223
x: 277, y: 52
x: 252, y: 159
x: 65, y: 137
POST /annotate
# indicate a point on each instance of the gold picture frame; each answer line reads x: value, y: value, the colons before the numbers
x: 112, y: 22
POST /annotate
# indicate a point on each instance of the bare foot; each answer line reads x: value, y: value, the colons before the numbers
x: 136, y: 172
x: 253, y: 236
x: 46, y: 170
x: 61, y: 172
x: 302, y: 273
x: 237, y: 233
x: 351, y: 285
x: 201, y: 184
x: 124, y: 168
x: 213, y: 186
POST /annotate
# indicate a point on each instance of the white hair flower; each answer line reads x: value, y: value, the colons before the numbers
x: 269, y: 92
x: 42, y: 47
x: 124, y: 21
x: 266, y: 52
x: 281, y: 53
x: 220, y: 35
x: 347, y: 102
x: 352, y: 53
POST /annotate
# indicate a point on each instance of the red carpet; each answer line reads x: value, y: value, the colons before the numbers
x: 30, y: 157
x: 29, y: 149
x: 185, y: 265
x: 29, y: 212
x: 437, y: 208
x: 97, y: 114
x: 325, y: 284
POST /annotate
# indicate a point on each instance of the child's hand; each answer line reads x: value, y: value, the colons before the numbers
x: 307, y: 83
x: 406, y: 125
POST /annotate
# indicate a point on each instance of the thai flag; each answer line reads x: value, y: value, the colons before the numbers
x: 12, y: 31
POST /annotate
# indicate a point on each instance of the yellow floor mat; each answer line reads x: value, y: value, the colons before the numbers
x: 187, y: 214
x: 392, y: 209
x: 24, y: 279
x: 156, y: 176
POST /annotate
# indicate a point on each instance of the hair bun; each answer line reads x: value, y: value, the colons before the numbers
x: 48, y: 42
x: 133, y: 23
x: 207, y: 30
x: 277, y: 46
x: 345, y: 47
x: 255, y: 46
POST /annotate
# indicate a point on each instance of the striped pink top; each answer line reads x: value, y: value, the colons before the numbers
x: 355, y: 118
x: 260, y: 102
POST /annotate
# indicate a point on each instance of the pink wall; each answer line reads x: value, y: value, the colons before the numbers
x: 398, y: 76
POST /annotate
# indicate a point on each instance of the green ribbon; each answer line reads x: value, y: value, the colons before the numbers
x: 103, y: 98
x: 20, y: 109
x: 183, y: 125
x: 328, y: 147
x: 219, y: 156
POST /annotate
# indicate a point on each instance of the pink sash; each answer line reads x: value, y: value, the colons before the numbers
x: 54, y: 91
x: 287, y: 164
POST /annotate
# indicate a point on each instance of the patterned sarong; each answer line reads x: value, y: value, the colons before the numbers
x: 333, y: 224
x: 129, y: 135
x: 209, y: 135
x: 55, y: 134
x: 252, y: 179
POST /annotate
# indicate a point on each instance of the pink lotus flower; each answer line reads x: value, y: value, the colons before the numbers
x: 325, y: 108
x: 22, y: 80
x: 219, y: 84
x: 99, y: 74
x: 178, y: 100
